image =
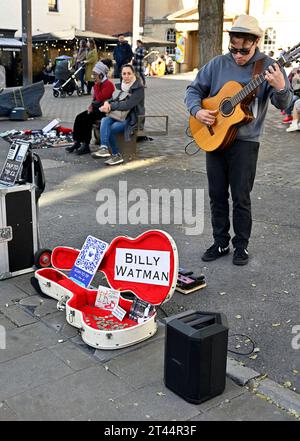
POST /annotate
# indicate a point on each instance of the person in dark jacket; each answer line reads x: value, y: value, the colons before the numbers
x: 122, y: 54
x: 235, y: 166
x: 83, y: 125
x: 109, y: 127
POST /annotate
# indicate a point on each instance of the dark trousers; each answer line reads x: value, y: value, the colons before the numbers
x: 233, y: 168
x: 142, y: 77
x: 81, y: 78
x: 83, y: 126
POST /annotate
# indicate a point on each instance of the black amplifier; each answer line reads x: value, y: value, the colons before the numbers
x: 196, y: 354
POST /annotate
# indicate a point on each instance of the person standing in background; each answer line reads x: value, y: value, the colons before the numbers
x: 80, y: 59
x: 138, y: 60
x: 122, y: 54
x: 91, y: 60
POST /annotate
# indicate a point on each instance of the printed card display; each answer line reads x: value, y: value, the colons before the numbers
x: 119, y: 313
x: 107, y: 298
x: 88, y: 261
x: 51, y: 125
x: 143, y: 266
x: 14, y: 162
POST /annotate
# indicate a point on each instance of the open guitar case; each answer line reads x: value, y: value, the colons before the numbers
x: 99, y: 328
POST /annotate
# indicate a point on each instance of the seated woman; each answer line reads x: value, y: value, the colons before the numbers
x: 83, y: 125
x: 133, y: 103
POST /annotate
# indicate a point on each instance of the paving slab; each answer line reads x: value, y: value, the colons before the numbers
x: 57, y: 322
x: 23, y: 282
x: 84, y: 395
x: 25, y: 340
x: 140, y: 368
x: 72, y: 356
x: 246, y: 407
x: 30, y: 371
x: 9, y: 295
x: 154, y: 402
x: 46, y: 307
x: 6, y: 414
x: 17, y: 315
x: 6, y: 323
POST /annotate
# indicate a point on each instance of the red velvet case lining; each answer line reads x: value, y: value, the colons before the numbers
x: 84, y: 299
x: 64, y: 257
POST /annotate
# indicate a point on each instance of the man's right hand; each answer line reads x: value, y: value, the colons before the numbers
x: 207, y: 117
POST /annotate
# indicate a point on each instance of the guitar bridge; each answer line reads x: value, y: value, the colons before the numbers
x: 211, y: 130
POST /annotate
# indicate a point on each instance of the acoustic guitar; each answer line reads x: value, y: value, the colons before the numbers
x: 232, y: 104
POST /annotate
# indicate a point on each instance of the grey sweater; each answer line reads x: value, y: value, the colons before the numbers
x: 223, y: 68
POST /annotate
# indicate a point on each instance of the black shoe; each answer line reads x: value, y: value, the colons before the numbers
x: 84, y: 149
x: 240, y: 256
x: 214, y: 252
x: 73, y: 147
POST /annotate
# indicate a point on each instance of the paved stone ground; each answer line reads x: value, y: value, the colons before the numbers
x: 260, y: 300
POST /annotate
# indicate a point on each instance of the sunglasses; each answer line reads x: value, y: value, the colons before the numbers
x: 243, y: 51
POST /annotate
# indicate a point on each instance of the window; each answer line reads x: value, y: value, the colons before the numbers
x: 269, y: 40
x: 53, y: 5
x: 171, y: 36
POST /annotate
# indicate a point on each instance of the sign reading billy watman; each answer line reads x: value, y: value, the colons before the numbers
x: 143, y: 266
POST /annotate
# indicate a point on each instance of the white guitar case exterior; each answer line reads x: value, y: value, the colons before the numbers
x: 98, y: 327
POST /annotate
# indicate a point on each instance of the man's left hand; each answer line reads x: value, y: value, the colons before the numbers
x: 275, y: 77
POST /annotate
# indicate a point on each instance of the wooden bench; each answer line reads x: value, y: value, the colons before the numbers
x: 128, y: 149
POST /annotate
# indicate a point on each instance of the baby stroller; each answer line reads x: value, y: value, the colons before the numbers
x: 66, y: 80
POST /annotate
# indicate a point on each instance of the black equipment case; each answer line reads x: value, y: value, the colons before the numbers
x: 18, y: 229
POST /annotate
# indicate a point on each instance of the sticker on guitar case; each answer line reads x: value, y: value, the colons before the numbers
x: 88, y: 261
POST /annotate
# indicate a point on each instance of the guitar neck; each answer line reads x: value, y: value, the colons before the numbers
x: 247, y: 90
x: 250, y: 87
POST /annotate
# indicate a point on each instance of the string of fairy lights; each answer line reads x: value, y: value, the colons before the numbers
x: 63, y: 47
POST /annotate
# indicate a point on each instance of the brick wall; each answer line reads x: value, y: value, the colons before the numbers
x: 109, y: 16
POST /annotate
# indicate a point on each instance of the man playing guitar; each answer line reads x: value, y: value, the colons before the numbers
x: 235, y: 166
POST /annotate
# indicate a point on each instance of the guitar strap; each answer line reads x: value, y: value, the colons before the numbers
x: 257, y: 70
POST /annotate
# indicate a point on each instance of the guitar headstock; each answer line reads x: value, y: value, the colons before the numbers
x: 291, y: 55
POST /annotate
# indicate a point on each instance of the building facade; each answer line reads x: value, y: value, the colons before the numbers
x: 111, y: 17
x: 280, y: 23
x: 156, y: 23
x: 54, y: 15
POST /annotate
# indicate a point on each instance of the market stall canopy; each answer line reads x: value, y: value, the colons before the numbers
x: 191, y: 15
x: 71, y: 34
x: 10, y: 43
x: 148, y: 41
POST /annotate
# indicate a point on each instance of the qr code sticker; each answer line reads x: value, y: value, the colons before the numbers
x: 91, y: 254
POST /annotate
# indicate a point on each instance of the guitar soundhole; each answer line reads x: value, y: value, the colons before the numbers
x: 226, y: 108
